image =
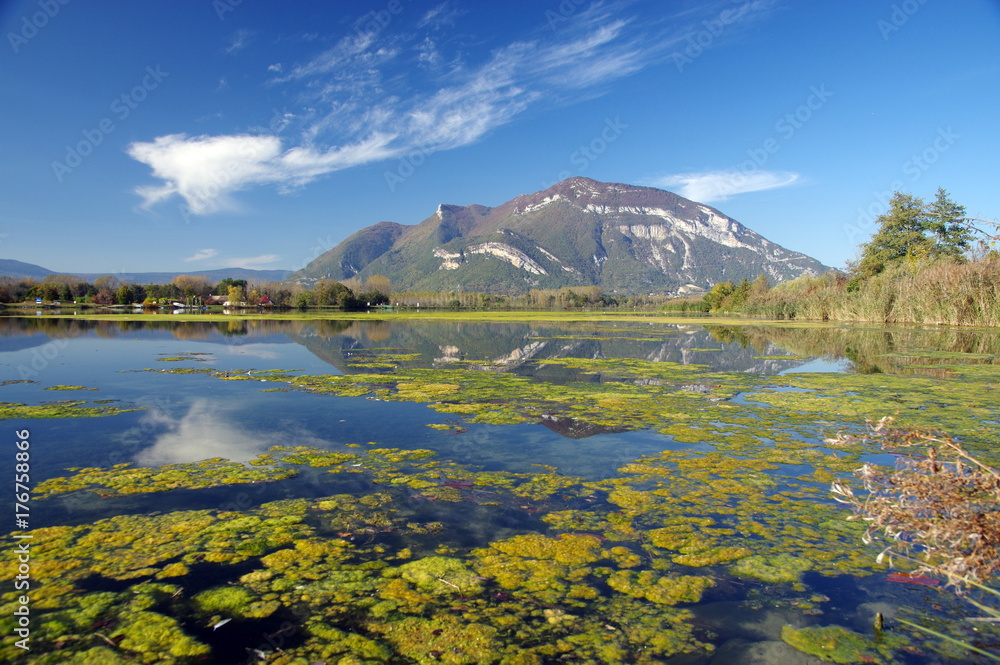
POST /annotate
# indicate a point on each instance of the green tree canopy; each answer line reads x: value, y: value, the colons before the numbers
x: 123, y: 296
x: 911, y: 229
x: 222, y: 288
x: 236, y: 294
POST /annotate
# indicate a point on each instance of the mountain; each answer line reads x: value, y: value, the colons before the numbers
x: 217, y: 275
x: 579, y: 232
x: 21, y: 270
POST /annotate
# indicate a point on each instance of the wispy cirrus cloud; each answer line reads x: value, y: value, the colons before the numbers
x: 239, y: 41
x: 233, y: 262
x: 201, y: 255
x: 440, y: 16
x: 362, y: 101
x: 250, y: 261
x: 709, y: 186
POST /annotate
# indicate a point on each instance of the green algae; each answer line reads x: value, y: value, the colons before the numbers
x: 441, y: 639
x: 666, y: 590
x: 689, y: 402
x: 62, y: 409
x: 123, y: 479
x: 837, y: 644
x: 153, y: 636
x: 733, y: 506
x: 61, y: 387
x: 180, y: 370
x: 772, y: 569
x: 570, y: 593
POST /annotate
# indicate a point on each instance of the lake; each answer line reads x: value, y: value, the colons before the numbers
x: 390, y: 490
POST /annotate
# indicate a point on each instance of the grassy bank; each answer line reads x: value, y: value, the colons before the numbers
x: 938, y: 293
x: 400, y: 315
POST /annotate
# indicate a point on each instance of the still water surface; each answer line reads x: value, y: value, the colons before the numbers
x: 574, y: 401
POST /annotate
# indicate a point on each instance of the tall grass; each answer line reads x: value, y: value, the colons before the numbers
x: 930, y: 292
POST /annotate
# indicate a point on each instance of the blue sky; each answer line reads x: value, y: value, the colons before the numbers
x: 190, y: 135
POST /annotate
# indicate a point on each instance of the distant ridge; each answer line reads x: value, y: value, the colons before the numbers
x: 578, y: 232
x: 21, y: 270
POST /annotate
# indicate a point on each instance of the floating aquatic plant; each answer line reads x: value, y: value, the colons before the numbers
x: 837, y: 644
x: 62, y: 409
x: 122, y: 479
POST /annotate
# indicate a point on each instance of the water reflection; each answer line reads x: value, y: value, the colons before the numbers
x: 514, y: 346
x: 714, y: 456
x: 207, y: 430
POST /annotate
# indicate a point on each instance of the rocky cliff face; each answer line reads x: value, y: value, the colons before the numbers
x: 579, y: 232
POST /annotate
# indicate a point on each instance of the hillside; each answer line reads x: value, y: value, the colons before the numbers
x: 21, y: 270
x: 579, y: 232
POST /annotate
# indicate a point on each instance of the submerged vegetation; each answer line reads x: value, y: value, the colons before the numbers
x: 368, y: 575
x: 60, y: 409
x: 376, y: 553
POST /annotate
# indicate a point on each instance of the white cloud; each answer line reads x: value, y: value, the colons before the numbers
x: 362, y: 101
x: 204, y: 170
x: 210, y: 429
x: 240, y: 40
x: 708, y: 186
x: 250, y: 262
x: 427, y: 53
x: 201, y: 255
x: 440, y: 16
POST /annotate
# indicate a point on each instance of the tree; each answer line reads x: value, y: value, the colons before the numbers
x: 222, y: 288
x: 913, y: 230
x: 304, y: 300
x: 236, y: 294
x: 106, y: 283
x: 900, y: 234
x: 103, y: 298
x: 719, y: 293
x: 378, y: 284
x: 45, y: 291
x: 123, y: 296
x: 331, y: 293
x: 192, y: 285
x: 949, y: 226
